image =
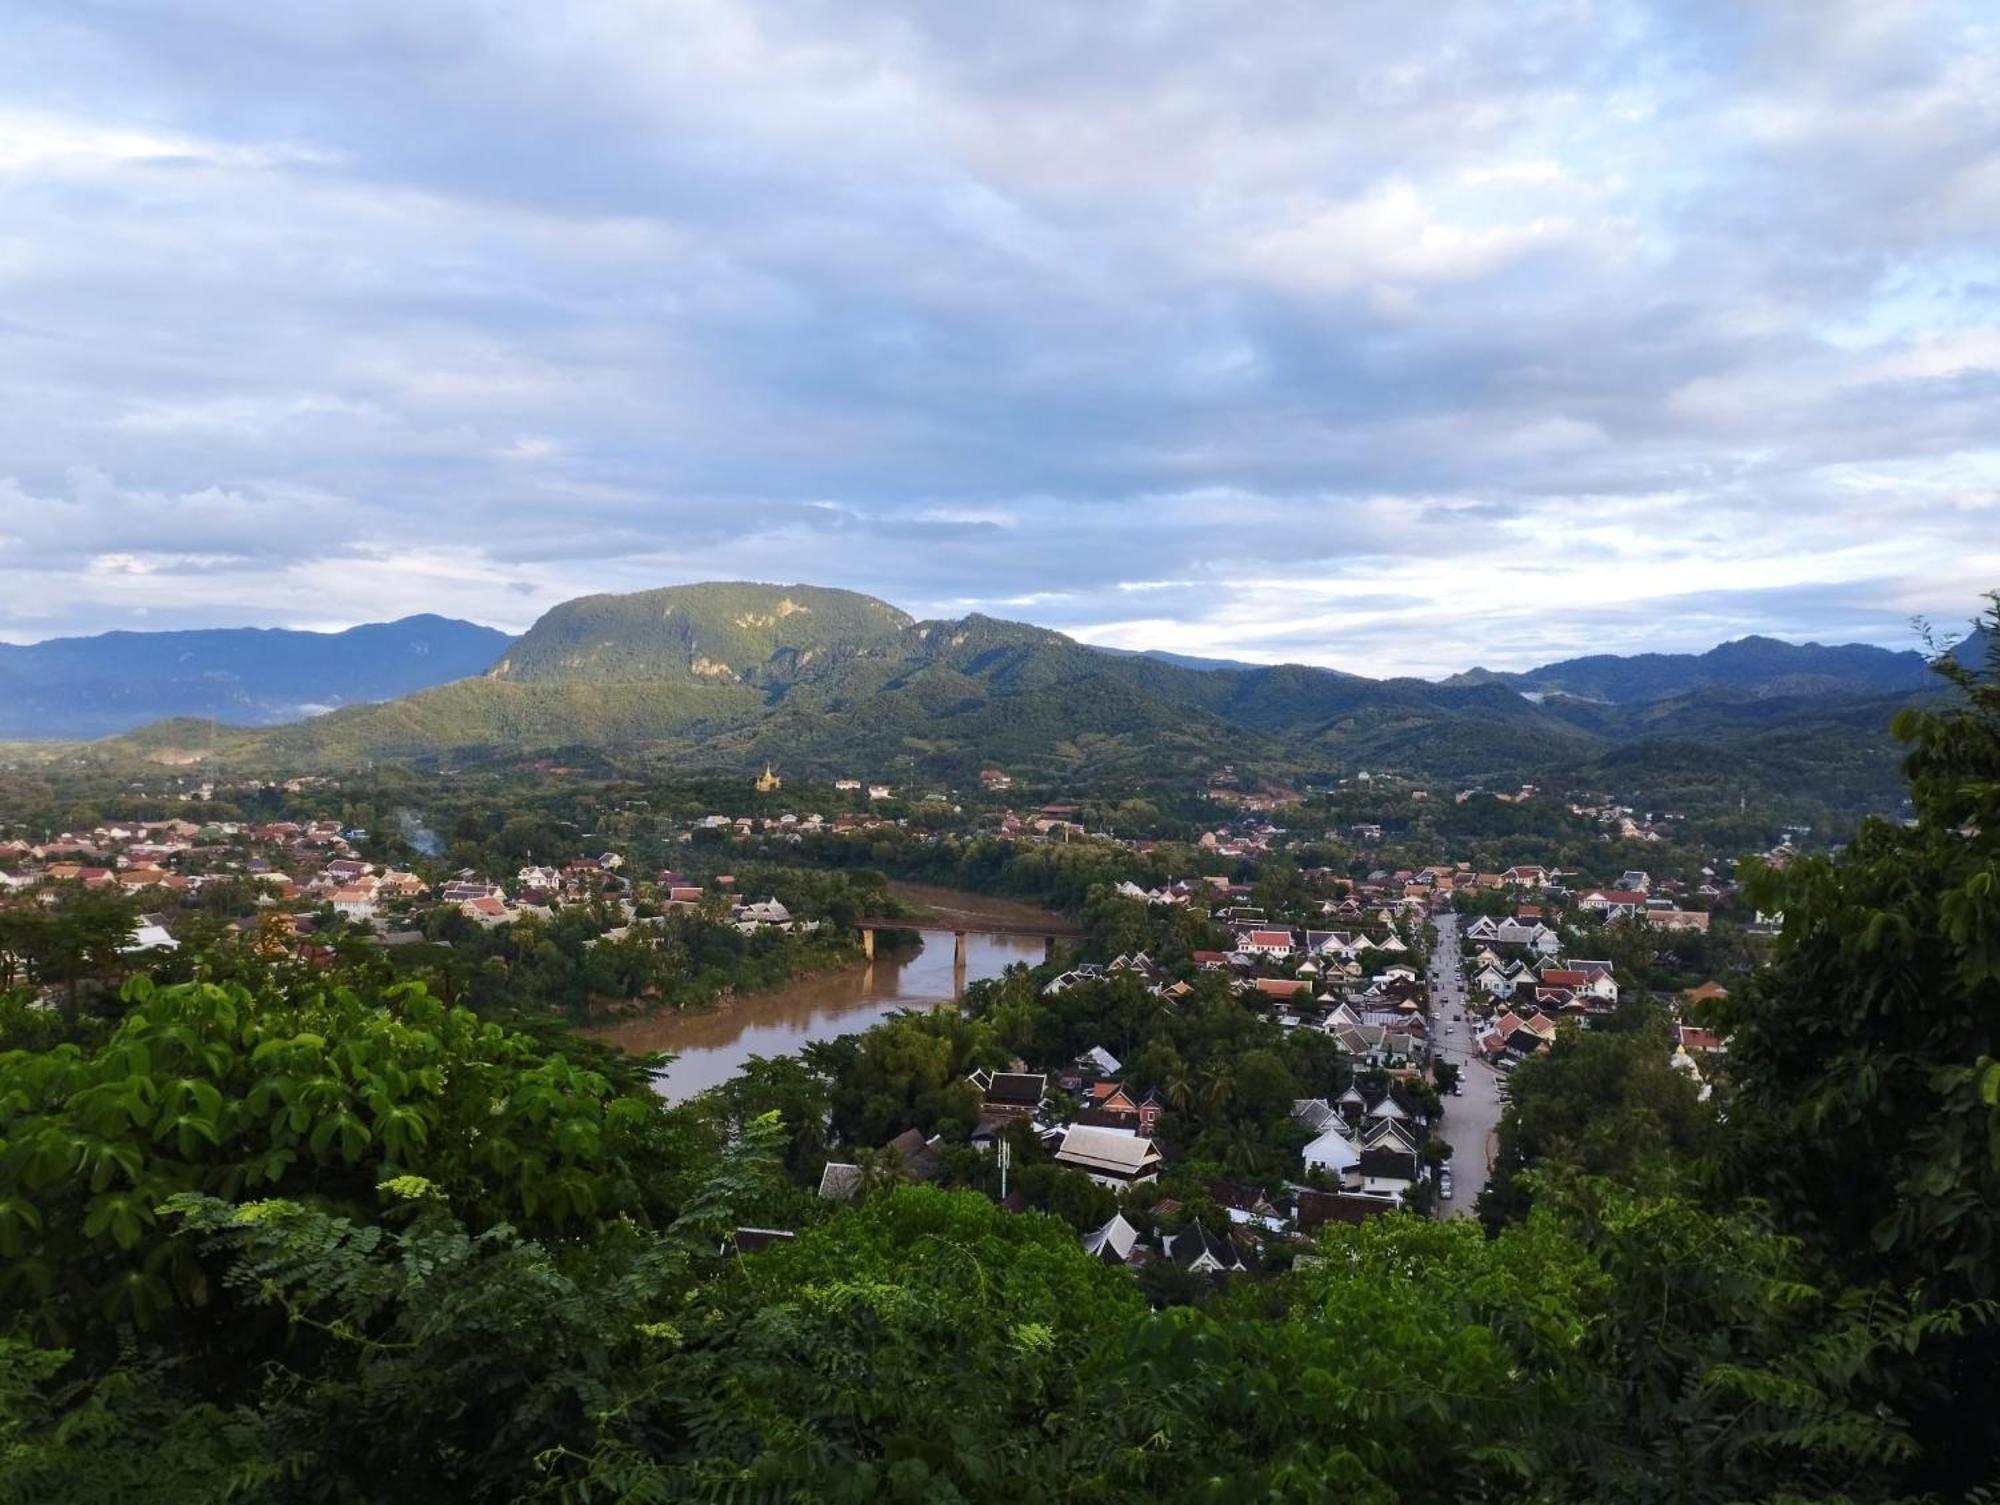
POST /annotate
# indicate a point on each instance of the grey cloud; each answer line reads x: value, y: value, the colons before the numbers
x: 597, y: 297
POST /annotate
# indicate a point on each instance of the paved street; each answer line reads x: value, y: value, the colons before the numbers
x: 1469, y: 1121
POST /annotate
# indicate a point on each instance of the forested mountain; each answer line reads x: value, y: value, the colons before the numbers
x: 715, y: 633
x: 1753, y: 665
x: 828, y: 681
x: 114, y: 681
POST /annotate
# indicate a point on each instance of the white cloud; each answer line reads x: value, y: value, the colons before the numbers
x: 1394, y: 235
x: 65, y: 146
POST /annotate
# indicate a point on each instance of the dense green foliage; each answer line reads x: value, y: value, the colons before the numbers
x: 1866, y: 1063
x: 76, y: 941
x: 1603, y: 1103
x: 587, y: 958
x: 315, y: 1091
x: 928, y: 1346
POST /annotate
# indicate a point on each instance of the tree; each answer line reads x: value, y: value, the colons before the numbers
x: 82, y: 937
x: 1865, y: 1084
x: 1598, y: 1104
x: 421, y: 1360
x: 924, y: 1345
x: 317, y: 1092
x: 1264, y: 1087
x: 1217, y: 1087
x: 1607, y: 1349
x: 791, y: 1087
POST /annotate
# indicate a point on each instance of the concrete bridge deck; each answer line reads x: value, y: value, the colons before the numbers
x: 960, y: 926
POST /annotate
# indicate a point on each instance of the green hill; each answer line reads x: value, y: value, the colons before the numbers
x: 718, y: 633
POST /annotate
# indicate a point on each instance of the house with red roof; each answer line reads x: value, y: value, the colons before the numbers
x: 1613, y: 903
x: 1698, y: 1041
x: 1266, y: 942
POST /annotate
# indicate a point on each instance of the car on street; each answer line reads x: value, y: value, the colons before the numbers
x: 1444, y: 1184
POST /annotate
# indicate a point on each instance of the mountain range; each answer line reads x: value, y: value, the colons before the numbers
x: 1755, y: 665
x: 728, y: 675
x: 97, y: 686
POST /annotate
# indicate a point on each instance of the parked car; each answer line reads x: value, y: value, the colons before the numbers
x: 1458, y: 1089
x: 1444, y: 1185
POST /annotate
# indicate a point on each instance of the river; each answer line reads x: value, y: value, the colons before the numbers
x: 709, y: 1049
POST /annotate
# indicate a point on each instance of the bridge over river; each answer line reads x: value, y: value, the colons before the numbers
x: 961, y: 923
x: 710, y: 1047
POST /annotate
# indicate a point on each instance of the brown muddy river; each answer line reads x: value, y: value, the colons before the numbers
x: 708, y: 1049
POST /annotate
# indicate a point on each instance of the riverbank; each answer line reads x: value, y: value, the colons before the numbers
x: 817, y: 960
x: 710, y: 1048
x: 945, y: 904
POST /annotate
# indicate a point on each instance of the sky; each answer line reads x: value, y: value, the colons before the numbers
x: 1391, y: 337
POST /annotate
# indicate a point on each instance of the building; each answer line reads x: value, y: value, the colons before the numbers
x: 1266, y: 943
x: 1676, y: 919
x: 1332, y: 1152
x: 1195, y: 1249
x: 1110, y: 1157
x: 1011, y: 1094
x: 1114, y: 1243
x: 151, y: 934
x: 1615, y: 903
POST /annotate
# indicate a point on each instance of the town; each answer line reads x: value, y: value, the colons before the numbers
x: 1274, y: 1028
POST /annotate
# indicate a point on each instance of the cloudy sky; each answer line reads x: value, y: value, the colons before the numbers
x: 1397, y: 336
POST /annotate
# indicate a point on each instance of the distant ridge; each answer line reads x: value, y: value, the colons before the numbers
x: 1759, y: 666
x: 1179, y: 660
x: 84, y: 687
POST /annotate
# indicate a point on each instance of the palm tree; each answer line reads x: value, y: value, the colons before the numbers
x: 1242, y: 1151
x: 880, y: 1169
x: 1217, y: 1085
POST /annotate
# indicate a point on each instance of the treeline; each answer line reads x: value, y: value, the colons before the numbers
x: 1055, y: 873
x: 590, y: 957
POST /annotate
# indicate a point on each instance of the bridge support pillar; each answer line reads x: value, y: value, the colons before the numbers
x: 1048, y: 948
x: 958, y: 950
x: 868, y: 942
